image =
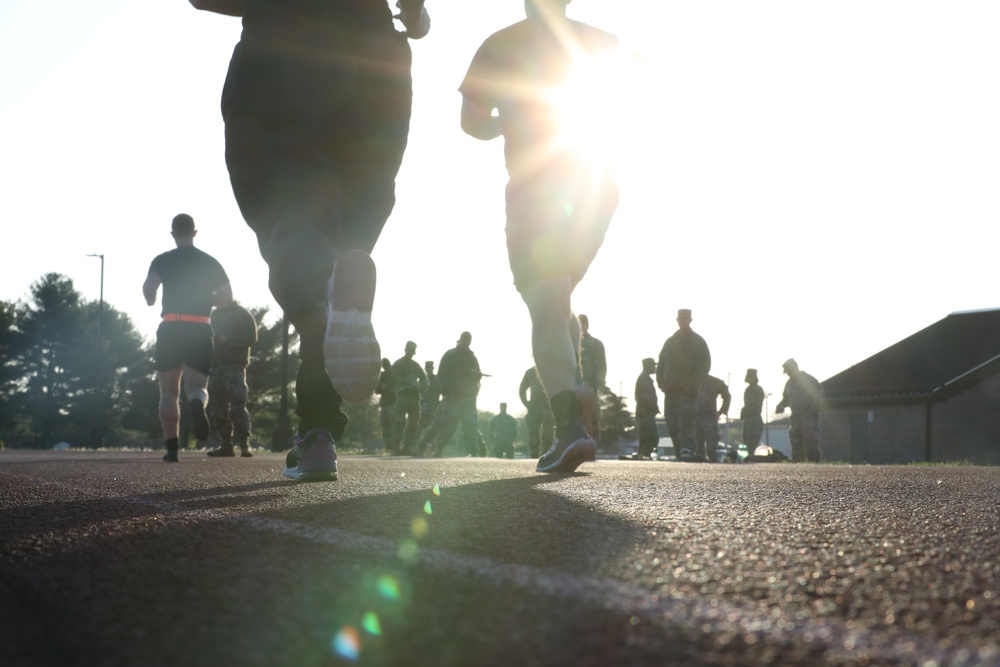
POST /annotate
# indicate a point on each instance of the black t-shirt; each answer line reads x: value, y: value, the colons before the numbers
x: 190, y: 278
x: 307, y: 55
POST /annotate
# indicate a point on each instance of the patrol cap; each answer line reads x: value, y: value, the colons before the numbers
x: 648, y: 361
x: 182, y: 225
x: 790, y: 364
x: 751, y: 374
x: 684, y: 314
x: 411, y: 346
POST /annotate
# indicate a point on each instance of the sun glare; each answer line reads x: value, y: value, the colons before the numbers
x: 591, y: 106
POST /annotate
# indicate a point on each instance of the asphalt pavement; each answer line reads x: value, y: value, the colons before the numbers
x: 116, y: 558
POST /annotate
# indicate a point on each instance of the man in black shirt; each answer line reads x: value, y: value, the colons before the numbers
x: 317, y: 112
x: 193, y: 281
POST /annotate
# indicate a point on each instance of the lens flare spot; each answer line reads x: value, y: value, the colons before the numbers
x: 436, y: 490
x: 427, y: 508
x: 408, y: 550
x: 347, y: 644
x: 568, y: 210
x: 371, y: 623
x: 419, y: 527
x: 388, y: 587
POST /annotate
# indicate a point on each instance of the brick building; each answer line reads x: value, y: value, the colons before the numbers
x: 932, y: 397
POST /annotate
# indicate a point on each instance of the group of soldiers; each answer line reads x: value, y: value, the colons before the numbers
x: 691, y: 401
x: 421, y: 410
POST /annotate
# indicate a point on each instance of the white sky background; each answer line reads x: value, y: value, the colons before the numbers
x: 814, y: 179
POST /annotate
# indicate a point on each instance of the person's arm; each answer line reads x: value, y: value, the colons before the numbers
x: 479, y: 122
x: 414, y: 17
x: 151, y: 286
x: 223, y: 295
x: 780, y: 407
x: 522, y: 391
x: 227, y: 7
x: 727, y: 398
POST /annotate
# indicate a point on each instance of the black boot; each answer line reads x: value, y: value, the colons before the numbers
x: 171, y: 455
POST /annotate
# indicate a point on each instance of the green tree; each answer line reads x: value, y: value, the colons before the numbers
x: 616, y: 420
x: 69, y: 388
x: 266, y: 374
x: 12, y: 346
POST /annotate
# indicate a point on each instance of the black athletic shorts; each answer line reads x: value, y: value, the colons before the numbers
x: 184, y: 343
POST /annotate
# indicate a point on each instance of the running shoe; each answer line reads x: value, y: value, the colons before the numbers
x: 350, y: 349
x: 313, y: 458
x: 222, y: 451
x: 171, y: 456
x: 569, y: 451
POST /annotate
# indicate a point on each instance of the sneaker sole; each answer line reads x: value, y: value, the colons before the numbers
x: 351, y: 351
x: 292, y: 473
x: 573, y: 456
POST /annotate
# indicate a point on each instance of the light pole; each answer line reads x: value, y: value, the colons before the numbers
x: 99, y: 435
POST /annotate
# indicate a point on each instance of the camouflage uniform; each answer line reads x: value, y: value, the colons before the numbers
x: 753, y: 425
x: 804, y: 395
x: 411, y: 382
x: 539, y: 420
x: 708, y: 416
x: 684, y: 362
x: 647, y: 406
x: 235, y: 332
x: 459, y: 374
x: 503, y: 433
x: 431, y: 398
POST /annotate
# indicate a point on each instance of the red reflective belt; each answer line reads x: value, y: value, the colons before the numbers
x: 200, y: 319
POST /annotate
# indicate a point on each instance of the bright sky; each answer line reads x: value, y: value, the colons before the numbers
x: 814, y: 179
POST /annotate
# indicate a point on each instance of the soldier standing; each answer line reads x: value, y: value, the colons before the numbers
x: 708, y: 416
x: 411, y: 382
x: 539, y: 419
x: 431, y: 398
x: 503, y: 433
x: 235, y: 332
x: 753, y: 403
x: 804, y: 395
x: 647, y: 406
x: 459, y: 375
x: 684, y: 362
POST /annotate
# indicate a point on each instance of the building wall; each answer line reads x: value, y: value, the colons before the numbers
x: 967, y: 426
x: 894, y: 433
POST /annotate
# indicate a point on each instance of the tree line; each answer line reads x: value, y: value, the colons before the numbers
x: 78, y: 371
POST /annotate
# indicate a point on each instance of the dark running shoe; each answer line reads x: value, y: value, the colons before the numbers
x: 171, y: 456
x: 222, y: 452
x: 199, y: 420
x: 313, y: 458
x: 569, y: 451
x: 246, y: 453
